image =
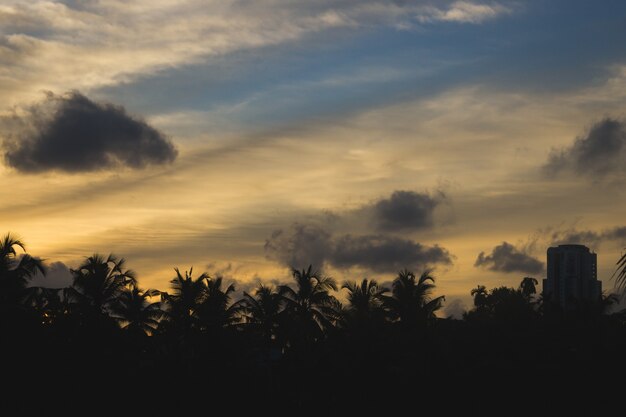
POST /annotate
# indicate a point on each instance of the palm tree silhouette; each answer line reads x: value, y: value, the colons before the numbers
x: 135, y: 313
x: 216, y: 310
x: 46, y: 302
x: 411, y: 301
x: 528, y: 287
x: 365, y: 300
x: 186, y: 297
x: 15, y: 271
x: 310, y: 307
x: 262, y: 312
x: 607, y: 301
x: 480, y: 296
x: 98, y: 282
x: 620, y: 274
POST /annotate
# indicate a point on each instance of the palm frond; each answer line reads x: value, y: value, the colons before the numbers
x: 620, y: 274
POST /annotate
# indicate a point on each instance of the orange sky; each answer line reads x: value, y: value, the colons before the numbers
x: 314, y: 118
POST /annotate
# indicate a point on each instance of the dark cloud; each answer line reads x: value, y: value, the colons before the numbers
x: 601, y: 152
x: 616, y: 233
x: 305, y: 244
x: 406, y: 210
x: 588, y: 237
x: 58, y: 275
x: 507, y: 258
x: 455, y: 309
x: 385, y: 253
x: 400, y: 212
x: 572, y: 236
x: 300, y: 246
x: 251, y: 286
x: 71, y: 133
x: 223, y: 270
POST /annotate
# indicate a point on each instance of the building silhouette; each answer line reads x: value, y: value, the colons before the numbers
x: 572, y: 276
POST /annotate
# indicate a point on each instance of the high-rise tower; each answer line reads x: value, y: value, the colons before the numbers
x: 572, y: 276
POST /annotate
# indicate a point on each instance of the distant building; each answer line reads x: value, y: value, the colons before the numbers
x: 572, y: 276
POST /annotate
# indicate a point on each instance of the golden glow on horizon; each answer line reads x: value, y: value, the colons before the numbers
x: 233, y: 184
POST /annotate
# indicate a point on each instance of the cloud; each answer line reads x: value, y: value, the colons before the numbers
x: 300, y: 246
x: 406, y: 210
x: 72, y: 133
x: 507, y: 258
x: 385, y: 253
x: 455, y: 309
x: 61, y: 45
x: 58, y: 275
x: 598, y: 154
x: 252, y: 285
x: 307, y: 244
x: 616, y: 233
x: 465, y: 12
x: 588, y: 237
x: 402, y: 211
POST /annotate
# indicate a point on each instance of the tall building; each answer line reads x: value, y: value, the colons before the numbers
x: 572, y: 276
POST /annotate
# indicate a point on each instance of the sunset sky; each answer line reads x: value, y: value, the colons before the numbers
x: 245, y: 137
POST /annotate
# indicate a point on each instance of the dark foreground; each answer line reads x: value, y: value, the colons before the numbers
x: 476, y: 367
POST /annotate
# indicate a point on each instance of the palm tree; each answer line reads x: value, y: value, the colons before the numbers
x: 510, y: 305
x: 480, y: 296
x: 310, y: 307
x: 606, y: 302
x: 262, y: 311
x: 620, y: 274
x: 135, y: 313
x: 15, y: 271
x: 365, y: 299
x: 411, y: 301
x: 98, y: 282
x: 46, y: 302
x: 528, y: 287
x: 216, y: 310
x: 186, y: 297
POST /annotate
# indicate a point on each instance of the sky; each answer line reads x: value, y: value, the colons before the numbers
x: 245, y: 138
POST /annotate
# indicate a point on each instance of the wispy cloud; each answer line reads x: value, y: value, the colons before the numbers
x: 593, y: 238
x: 462, y: 12
x: 74, y: 45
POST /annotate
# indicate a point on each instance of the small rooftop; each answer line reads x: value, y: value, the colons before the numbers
x: 571, y: 246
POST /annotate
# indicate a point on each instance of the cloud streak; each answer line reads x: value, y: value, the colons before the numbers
x: 62, y: 45
x: 588, y: 237
x: 464, y: 12
x: 71, y: 133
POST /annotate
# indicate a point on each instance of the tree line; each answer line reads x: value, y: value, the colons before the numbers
x: 104, y: 291
x: 293, y: 339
